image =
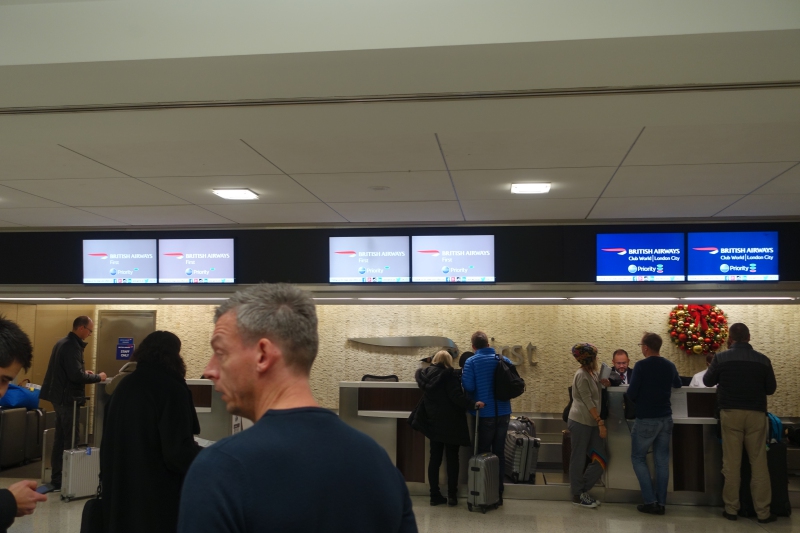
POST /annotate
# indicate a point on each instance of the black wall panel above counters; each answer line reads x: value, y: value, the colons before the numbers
x: 524, y: 254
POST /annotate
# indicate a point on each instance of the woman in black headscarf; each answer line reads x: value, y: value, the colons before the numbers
x: 148, y: 440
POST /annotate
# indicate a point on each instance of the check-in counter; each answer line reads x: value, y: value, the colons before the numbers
x: 380, y: 409
x: 215, y: 421
x: 695, y: 450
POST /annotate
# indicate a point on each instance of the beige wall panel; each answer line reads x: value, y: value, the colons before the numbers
x: 26, y: 318
x: 552, y: 329
x: 9, y: 311
x: 51, y: 325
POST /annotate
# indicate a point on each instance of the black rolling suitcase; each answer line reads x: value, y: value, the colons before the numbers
x: 779, y: 481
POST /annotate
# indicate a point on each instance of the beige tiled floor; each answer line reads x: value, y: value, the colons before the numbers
x: 55, y: 516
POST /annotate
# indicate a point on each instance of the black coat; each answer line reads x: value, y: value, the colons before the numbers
x: 66, y: 377
x: 147, y: 448
x: 444, y: 404
x: 8, y: 509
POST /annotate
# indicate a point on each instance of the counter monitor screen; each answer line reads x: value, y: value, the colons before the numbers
x: 368, y: 260
x: 120, y: 261
x: 733, y: 256
x: 195, y: 261
x: 640, y: 257
x: 452, y: 258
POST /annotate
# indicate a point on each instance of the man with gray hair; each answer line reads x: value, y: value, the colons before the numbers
x: 299, y: 468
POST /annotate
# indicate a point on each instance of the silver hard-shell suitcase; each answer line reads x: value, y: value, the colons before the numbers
x: 523, y: 424
x: 522, y: 454
x: 81, y: 468
x: 483, y: 478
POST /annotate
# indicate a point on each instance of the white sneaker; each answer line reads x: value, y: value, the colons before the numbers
x: 586, y: 501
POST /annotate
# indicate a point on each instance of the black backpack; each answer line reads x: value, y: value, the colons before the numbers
x: 507, y: 383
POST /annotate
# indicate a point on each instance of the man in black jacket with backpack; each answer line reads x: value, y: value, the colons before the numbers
x: 745, y: 378
x: 65, y: 380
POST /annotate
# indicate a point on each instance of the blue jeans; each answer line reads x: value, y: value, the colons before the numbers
x: 655, y: 432
x: 493, y: 441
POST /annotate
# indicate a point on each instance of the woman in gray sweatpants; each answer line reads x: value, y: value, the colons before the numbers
x: 587, y: 430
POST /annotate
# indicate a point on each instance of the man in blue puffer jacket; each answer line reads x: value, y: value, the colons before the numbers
x: 478, y: 382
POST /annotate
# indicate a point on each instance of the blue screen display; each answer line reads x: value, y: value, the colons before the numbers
x: 733, y: 256
x: 638, y: 257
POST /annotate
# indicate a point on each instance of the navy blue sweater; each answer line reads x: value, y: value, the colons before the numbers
x: 299, y: 470
x: 651, y: 387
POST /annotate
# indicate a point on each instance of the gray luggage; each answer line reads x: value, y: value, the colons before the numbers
x: 12, y: 436
x: 81, y: 468
x: 522, y: 454
x: 483, y: 478
x: 522, y: 424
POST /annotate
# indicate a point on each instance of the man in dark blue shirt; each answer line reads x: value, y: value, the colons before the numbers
x: 650, y: 389
x: 299, y: 468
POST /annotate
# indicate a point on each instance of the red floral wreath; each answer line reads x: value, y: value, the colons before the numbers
x: 698, y: 329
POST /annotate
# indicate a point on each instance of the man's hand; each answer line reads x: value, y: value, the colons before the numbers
x: 89, y: 372
x: 102, y: 376
x: 605, y: 382
x: 27, y: 497
x: 479, y: 405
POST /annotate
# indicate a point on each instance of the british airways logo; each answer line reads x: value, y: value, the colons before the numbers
x: 618, y: 251
x: 349, y: 253
x: 432, y: 253
x: 710, y: 249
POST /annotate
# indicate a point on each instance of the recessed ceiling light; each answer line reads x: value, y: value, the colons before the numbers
x: 530, y: 188
x: 236, y: 194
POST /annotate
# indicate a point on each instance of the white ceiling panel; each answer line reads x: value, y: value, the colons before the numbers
x: 96, y: 192
x: 57, y: 216
x: 716, y: 143
x: 765, y: 205
x: 527, y: 209
x: 565, y: 182
x: 678, y: 180
x: 4, y: 224
x: 178, y: 158
x: 400, y: 211
x: 12, y: 198
x: 271, y: 189
x: 377, y: 151
x: 537, y: 149
x: 786, y: 183
x: 379, y: 186
x: 660, y: 207
x: 305, y: 213
x: 47, y: 161
x: 162, y: 215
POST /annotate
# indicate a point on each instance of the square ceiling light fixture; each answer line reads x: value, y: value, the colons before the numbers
x: 235, y: 194
x: 530, y: 188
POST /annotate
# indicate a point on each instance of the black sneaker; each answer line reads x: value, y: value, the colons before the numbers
x: 500, y: 502
x: 452, y: 501
x: 650, y: 508
x: 438, y: 499
x: 729, y: 516
x: 770, y: 518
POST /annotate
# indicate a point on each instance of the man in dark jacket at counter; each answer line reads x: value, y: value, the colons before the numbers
x: 745, y: 378
x: 16, y: 354
x: 300, y: 468
x: 65, y: 380
x: 478, y: 380
x: 651, y: 391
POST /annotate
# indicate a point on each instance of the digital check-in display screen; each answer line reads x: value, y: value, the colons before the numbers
x: 733, y: 256
x: 120, y: 261
x: 195, y: 261
x: 368, y: 260
x: 640, y: 257
x: 452, y: 258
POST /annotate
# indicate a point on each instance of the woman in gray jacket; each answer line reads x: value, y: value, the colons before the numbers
x: 586, y: 428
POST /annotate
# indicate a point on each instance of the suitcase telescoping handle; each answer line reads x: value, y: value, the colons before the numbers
x: 477, y: 416
x: 75, y: 416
